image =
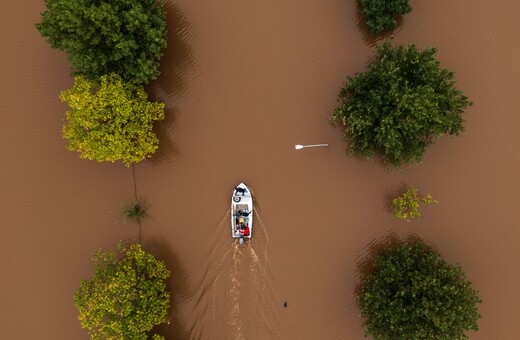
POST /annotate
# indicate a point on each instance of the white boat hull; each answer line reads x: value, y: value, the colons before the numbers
x: 241, y: 199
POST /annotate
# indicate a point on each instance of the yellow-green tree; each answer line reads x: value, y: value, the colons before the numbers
x: 406, y: 206
x: 126, y: 297
x: 111, y: 121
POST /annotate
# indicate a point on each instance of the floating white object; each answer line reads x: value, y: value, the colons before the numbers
x: 299, y: 146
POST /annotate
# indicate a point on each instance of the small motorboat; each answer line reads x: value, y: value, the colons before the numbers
x: 241, y: 213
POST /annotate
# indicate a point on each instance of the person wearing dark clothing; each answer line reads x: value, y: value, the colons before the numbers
x: 239, y: 190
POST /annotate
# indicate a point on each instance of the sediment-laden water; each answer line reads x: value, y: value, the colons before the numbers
x: 243, y: 82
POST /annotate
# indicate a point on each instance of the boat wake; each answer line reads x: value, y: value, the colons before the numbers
x: 235, y: 289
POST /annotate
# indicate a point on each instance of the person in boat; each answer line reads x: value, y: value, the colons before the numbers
x: 244, y: 230
x: 240, y: 191
x: 246, y: 213
x: 240, y: 223
x: 238, y: 215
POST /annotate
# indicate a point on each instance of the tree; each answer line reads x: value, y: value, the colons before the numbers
x: 407, y: 205
x: 381, y: 15
x: 126, y: 297
x: 110, y: 121
x: 415, y: 294
x: 101, y: 37
x: 400, y: 105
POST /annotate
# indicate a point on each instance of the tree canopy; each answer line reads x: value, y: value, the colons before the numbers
x: 400, y: 105
x: 101, y: 37
x: 110, y: 121
x: 381, y: 15
x: 126, y: 297
x: 406, y: 206
x: 415, y: 294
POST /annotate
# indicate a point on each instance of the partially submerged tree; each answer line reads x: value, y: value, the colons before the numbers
x: 415, y: 294
x: 381, y: 15
x: 407, y: 205
x: 400, y: 105
x: 135, y: 210
x: 101, y: 37
x: 111, y: 121
x: 127, y: 296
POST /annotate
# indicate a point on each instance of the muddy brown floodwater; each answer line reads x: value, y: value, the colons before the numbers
x: 244, y: 81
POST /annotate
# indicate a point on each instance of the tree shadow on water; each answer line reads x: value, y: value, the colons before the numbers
x: 177, y: 286
x: 365, y: 260
x: 176, y: 65
x: 391, y: 194
x: 167, y: 149
x: 177, y: 61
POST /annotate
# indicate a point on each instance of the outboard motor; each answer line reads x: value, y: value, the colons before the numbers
x: 241, y: 240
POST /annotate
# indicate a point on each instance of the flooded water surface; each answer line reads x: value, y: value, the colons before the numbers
x: 243, y: 82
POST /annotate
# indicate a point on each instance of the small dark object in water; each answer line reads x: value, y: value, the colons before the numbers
x: 285, y: 304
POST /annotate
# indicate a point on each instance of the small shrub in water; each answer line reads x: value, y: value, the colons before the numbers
x: 407, y: 206
x: 381, y: 15
x: 135, y: 211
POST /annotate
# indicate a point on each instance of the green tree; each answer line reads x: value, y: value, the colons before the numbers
x: 381, y: 15
x: 110, y: 121
x: 126, y: 297
x: 407, y: 205
x: 400, y: 105
x: 415, y: 294
x: 101, y: 37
